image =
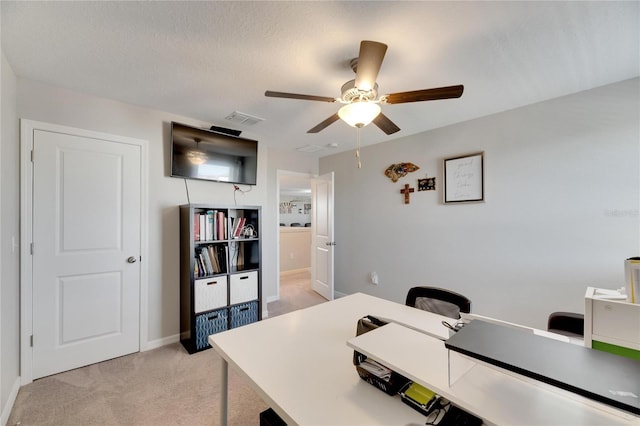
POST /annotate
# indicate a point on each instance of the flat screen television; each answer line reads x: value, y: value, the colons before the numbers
x: 207, y: 155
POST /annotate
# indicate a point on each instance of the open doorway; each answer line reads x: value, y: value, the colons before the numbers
x: 294, y: 243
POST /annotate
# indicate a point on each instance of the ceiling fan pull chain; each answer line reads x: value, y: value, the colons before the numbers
x: 358, y: 147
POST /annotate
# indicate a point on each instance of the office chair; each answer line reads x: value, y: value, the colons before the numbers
x: 295, y: 224
x: 307, y: 225
x: 439, y: 301
x: 566, y: 323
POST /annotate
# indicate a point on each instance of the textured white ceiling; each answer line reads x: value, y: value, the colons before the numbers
x: 207, y: 59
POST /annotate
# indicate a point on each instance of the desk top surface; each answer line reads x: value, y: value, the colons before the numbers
x: 300, y: 364
x: 602, y: 376
x: 487, y: 392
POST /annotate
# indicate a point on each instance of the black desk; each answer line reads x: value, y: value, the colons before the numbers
x: 598, y: 375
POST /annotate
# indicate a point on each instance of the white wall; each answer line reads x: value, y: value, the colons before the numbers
x: 295, y: 248
x: 9, y: 228
x: 561, y: 213
x: 37, y: 101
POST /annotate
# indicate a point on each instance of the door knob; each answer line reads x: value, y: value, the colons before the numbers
x: 131, y: 259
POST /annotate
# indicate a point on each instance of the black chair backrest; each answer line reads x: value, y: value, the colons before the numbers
x: 439, y: 301
x: 566, y: 323
x: 295, y: 224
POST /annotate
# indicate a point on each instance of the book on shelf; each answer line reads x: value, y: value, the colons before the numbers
x: 236, y: 226
x: 210, y: 224
x: 240, y: 262
x: 214, y: 226
x: 213, y: 254
x: 240, y: 227
x: 233, y: 222
x: 202, y: 220
x: 196, y: 227
x: 208, y: 262
x: 221, y: 225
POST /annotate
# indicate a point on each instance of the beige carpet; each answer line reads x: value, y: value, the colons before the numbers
x: 165, y: 386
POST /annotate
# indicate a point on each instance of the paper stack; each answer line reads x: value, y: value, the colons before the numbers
x: 632, y: 279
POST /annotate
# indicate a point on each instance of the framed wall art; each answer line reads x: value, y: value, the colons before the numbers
x: 464, y: 178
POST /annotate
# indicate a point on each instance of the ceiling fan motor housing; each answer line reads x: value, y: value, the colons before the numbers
x: 350, y: 93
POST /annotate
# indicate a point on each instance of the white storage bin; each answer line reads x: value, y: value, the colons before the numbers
x: 210, y: 293
x: 244, y: 287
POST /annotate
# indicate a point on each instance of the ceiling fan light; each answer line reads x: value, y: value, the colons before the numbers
x: 359, y: 114
x: 197, y: 158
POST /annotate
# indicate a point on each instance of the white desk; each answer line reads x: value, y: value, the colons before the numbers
x: 300, y: 365
x: 498, y: 397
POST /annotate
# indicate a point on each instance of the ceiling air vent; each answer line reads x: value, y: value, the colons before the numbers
x: 310, y: 148
x: 242, y: 118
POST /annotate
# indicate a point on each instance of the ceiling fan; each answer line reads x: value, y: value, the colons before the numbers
x: 360, y: 95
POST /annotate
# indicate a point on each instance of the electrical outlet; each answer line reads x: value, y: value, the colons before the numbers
x: 374, y: 278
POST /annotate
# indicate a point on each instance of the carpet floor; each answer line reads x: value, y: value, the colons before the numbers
x: 164, y: 386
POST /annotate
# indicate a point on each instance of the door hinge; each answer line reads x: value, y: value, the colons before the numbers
x: 31, y: 340
x: 31, y: 248
x: 32, y: 156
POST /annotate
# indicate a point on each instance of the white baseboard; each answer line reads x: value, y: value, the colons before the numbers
x: 295, y: 271
x: 155, y: 344
x: 272, y: 299
x: 6, y: 410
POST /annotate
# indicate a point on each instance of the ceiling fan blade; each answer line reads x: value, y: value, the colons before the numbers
x: 325, y: 123
x: 369, y: 63
x: 425, y: 95
x: 272, y: 94
x: 386, y: 125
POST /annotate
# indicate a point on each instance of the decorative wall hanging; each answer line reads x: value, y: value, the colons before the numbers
x: 427, y: 184
x: 286, y: 207
x: 407, y: 192
x: 464, y: 178
x: 398, y: 170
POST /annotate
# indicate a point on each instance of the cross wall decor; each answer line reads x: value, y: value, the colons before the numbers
x: 407, y: 192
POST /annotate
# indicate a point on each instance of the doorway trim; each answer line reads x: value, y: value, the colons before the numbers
x: 279, y: 174
x: 27, y: 129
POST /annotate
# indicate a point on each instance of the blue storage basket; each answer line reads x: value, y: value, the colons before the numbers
x: 244, y: 313
x: 207, y: 324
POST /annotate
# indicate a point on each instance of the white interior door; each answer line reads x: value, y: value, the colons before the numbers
x: 322, y: 243
x: 86, y: 250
